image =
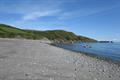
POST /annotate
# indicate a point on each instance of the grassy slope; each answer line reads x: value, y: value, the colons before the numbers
x: 59, y: 35
x: 56, y: 35
x: 12, y: 32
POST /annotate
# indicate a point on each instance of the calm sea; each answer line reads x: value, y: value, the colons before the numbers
x: 106, y: 50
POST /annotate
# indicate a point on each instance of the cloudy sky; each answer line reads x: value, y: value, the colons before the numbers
x: 99, y: 19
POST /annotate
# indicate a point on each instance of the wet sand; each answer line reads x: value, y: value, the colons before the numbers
x: 36, y: 60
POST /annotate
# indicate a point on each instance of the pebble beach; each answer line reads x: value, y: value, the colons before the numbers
x: 38, y: 60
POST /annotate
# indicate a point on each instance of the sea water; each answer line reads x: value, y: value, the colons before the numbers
x: 106, y: 50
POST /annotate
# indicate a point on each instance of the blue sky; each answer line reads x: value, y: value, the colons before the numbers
x: 99, y: 19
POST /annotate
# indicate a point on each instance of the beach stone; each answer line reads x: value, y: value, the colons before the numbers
x: 26, y: 74
x: 109, y: 76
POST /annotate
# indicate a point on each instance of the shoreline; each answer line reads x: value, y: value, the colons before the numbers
x: 38, y: 60
x: 92, y: 55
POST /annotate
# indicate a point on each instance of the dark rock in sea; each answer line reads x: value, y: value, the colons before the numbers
x: 105, y: 41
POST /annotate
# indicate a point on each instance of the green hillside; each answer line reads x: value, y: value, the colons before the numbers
x: 59, y: 35
x: 7, y: 31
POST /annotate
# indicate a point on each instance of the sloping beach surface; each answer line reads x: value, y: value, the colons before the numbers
x: 36, y: 60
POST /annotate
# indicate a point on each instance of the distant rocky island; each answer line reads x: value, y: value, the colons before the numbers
x: 105, y: 41
x: 7, y: 31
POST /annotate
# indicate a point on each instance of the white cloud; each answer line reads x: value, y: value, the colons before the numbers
x: 30, y: 9
x: 35, y: 15
x: 28, y: 6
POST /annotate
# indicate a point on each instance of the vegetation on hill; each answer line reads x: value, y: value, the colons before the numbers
x: 7, y: 31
